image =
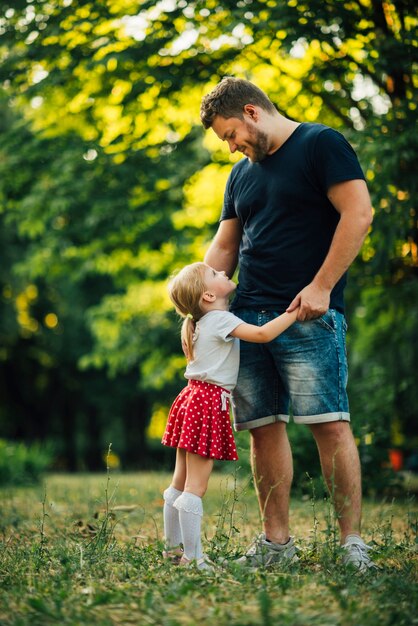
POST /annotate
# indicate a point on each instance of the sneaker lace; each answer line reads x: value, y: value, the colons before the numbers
x: 361, y: 551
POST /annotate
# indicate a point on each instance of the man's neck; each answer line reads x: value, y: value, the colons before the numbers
x: 281, y: 132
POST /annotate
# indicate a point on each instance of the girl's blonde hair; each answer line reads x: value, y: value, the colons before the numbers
x: 185, y: 290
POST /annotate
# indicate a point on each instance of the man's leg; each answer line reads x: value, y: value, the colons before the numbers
x: 341, y: 469
x: 272, y: 466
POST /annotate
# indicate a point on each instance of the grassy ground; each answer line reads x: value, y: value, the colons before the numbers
x: 86, y: 550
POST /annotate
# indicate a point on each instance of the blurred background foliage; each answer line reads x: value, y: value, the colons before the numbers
x: 108, y: 184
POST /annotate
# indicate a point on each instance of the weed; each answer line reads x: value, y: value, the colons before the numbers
x: 102, y: 540
x: 411, y: 531
x: 41, y: 550
x: 226, y: 525
x: 265, y: 604
x: 314, y: 531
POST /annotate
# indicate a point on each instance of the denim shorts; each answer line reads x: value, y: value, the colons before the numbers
x: 304, y: 371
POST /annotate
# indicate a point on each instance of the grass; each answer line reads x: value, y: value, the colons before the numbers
x: 86, y: 549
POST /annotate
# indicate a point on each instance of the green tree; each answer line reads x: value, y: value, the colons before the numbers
x: 107, y: 185
x: 93, y: 223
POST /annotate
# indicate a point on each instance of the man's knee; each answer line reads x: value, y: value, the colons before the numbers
x: 336, y: 441
x: 268, y: 432
x: 332, y: 432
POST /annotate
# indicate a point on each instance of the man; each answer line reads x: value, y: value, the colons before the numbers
x: 295, y: 214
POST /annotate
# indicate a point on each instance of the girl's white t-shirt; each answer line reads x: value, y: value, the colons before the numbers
x: 216, y: 353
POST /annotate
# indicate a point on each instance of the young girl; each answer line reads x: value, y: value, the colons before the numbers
x: 198, y: 424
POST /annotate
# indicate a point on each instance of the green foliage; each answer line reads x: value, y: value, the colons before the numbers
x: 22, y: 464
x: 108, y: 184
x: 383, y: 365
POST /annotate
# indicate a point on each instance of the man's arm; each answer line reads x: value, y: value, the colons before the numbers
x: 223, y: 251
x: 352, y: 201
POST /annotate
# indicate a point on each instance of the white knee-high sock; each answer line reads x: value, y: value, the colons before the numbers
x: 172, y: 531
x: 190, y: 510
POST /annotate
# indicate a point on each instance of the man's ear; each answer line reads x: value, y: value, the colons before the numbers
x: 251, y: 111
x: 208, y: 297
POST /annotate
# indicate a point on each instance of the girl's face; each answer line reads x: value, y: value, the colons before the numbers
x: 218, y: 283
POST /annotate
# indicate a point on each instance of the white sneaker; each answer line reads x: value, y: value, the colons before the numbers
x: 356, y: 554
x: 202, y: 564
x: 263, y: 553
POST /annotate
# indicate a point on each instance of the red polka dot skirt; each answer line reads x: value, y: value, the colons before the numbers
x: 199, y: 422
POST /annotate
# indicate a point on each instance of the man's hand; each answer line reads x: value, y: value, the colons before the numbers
x: 313, y: 302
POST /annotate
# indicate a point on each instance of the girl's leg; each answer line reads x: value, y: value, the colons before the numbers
x: 180, y: 470
x: 172, y: 531
x: 189, y: 504
x: 198, y: 471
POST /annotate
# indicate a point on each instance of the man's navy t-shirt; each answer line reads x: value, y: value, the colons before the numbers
x: 287, y: 220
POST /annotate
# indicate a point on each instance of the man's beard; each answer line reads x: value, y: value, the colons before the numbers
x: 258, y: 142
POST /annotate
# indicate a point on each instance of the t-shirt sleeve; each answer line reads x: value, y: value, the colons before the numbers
x: 224, y: 323
x: 335, y: 160
x: 228, y: 208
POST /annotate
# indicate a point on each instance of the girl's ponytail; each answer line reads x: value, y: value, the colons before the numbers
x: 185, y: 290
x: 187, y: 331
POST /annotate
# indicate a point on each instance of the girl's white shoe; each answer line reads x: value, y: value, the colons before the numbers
x: 202, y: 564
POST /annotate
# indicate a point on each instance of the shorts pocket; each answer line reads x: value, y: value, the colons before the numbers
x: 327, y: 321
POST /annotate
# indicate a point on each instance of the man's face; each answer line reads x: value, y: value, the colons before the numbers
x: 242, y: 135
